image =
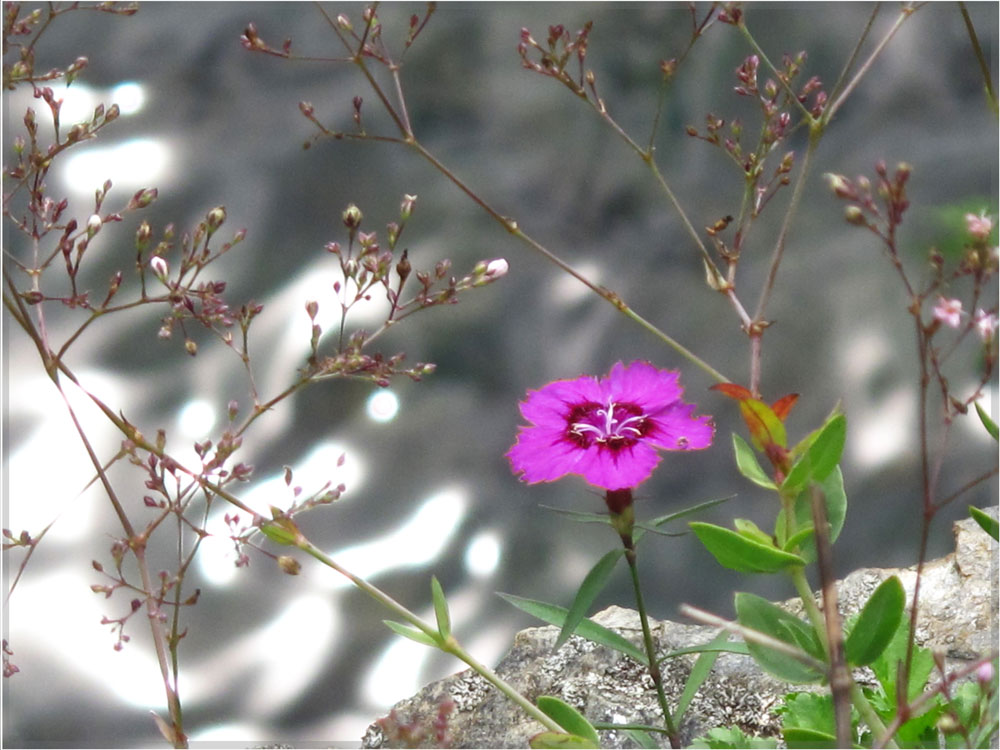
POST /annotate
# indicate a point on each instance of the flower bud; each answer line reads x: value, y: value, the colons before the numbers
x: 191, y: 347
x: 289, y: 565
x: 840, y: 185
x: 159, y: 268
x: 352, y: 217
x: 215, y: 218
x: 854, y: 215
x: 94, y: 224
x: 406, y: 207
x: 142, y: 198
x: 312, y: 307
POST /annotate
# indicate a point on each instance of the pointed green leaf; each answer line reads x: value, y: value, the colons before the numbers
x: 820, y: 458
x: 579, y: 515
x: 759, y: 614
x: 746, y: 462
x: 798, y: 539
x: 989, y: 424
x: 699, y: 673
x: 412, y: 633
x: 568, y: 718
x: 642, y: 739
x: 440, y: 608
x: 738, y: 552
x: 556, y: 615
x: 876, y: 623
x: 988, y: 522
x: 592, y: 585
x: 796, y: 737
x: 836, y: 512
x: 652, y: 524
x: 559, y: 741
x: 751, y: 531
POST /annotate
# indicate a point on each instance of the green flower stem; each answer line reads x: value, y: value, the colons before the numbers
x: 647, y: 638
x: 448, y: 645
x: 869, y: 716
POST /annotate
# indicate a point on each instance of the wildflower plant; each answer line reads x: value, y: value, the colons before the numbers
x: 611, y: 431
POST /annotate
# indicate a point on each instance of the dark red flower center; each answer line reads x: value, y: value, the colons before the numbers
x: 612, y: 425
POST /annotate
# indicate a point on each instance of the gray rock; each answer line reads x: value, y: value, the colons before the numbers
x: 958, y: 616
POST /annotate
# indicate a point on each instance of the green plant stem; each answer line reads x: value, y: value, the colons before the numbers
x: 869, y: 716
x: 984, y: 66
x: 448, y: 645
x: 647, y: 639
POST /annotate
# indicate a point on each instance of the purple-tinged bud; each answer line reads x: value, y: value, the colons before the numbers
x: 840, y: 185
x: 306, y: 108
x: 352, y: 217
x: 985, y: 672
x: 903, y: 171
x: 489, y: 271
x: 143, y: 235
x: 403, y: 268
x: 312, y: 307
x: 406, y: 207
x: 114, y: 111
x: 76, y: 133
x: 142, y: 198
x: 344, y: 22
x: 159, y: 268
x: 233, y: 409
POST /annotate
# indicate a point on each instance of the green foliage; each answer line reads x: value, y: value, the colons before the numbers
x: 876, y: 624
x: 808, y: 720
x: 758, y: 614
x: 592, y: 585
x: 412, y: 633
x: 558, y: 740
x: 743, y: 551
x: 835, y: 500
x: 746, y: 462
x: 575, y: 723
x: 732, y: 738
x: 989, y: 424
x: 556, y: 615
x: 986, y: 521
x: 819, y: 454
x: 440, y: 609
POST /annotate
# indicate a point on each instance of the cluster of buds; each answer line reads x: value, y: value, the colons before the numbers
x: 560, y: 47
x: 400, y: 732
x: 863, y: 209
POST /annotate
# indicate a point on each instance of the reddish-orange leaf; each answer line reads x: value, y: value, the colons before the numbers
x: 784, y: 405
x: 732, y: 390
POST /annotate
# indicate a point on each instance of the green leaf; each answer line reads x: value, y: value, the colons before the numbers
x: 568, y: 718
x: 558, y: 741
x: 820, y: 458
x: 989, y: 424
x: 836, y: 512
x: 556, y: 615
x: 440, y: 608
x: 988, y: 522
x: 746, y: 462
x: 699, y: 673
x: 876, y: 624
x: 807, y: 738
x: 751, y: 531
x: 738, y: 552
x: 642, y: 738
x: 759, y: 614
x: 579, y: 515
x: 592, y: 585
x: 653, y: 524
x: 733, y: 647
x: 885, y: 665
x: 732, y: 738
x: 412, y: 633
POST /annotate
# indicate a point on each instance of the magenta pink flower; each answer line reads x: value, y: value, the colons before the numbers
x: 606, y: 430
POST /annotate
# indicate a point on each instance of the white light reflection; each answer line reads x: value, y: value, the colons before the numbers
x: 196, y: 419
x: 129, y: 96
x: 396, y: 674
x: 483, y: 554
x: 138, y: 163
x: 383, y: 405
x: 418, y: 541
x: 565, y: 290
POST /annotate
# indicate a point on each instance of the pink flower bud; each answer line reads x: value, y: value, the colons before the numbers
x: 948, y: 311
x: 979, y: 225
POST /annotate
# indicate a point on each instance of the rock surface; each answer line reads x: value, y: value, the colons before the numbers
x: 958, y: 615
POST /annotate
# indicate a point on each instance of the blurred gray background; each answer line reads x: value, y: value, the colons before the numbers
x: 272, y: 658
